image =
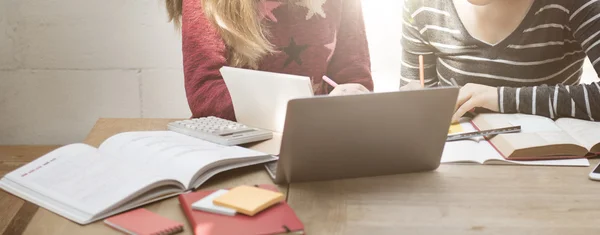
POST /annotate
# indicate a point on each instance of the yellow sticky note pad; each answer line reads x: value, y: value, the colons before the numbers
x: 455, y: 128
x: 248, y: 200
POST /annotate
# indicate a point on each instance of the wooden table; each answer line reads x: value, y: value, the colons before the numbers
x: 46, y: 222
x: 14, y: 212
x: 455, y: 199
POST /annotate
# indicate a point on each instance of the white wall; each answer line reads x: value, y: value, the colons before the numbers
x: 66, y: 63
x: 76, y: 61
x: 384, y: 41
x: 6, y: 37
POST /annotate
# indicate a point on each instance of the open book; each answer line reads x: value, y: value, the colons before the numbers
x: 542, y: 138
x: 85, y: 184
x: 481, y: 151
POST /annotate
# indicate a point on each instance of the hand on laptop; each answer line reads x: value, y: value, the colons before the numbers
x: 472, y: 96
x: 349, y: 89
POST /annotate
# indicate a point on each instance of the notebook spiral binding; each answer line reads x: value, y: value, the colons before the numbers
x: 170, y: 231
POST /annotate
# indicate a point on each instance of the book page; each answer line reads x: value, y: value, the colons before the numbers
x: 536, y: 131
x: 81, y: 178
x: 473, y: 150
x: 534, y: 124
x: 171, y: 155
x: 528, y: 123
x: 577, y: 162
x: 585, y: 132
x: 469, y: 151
x: 481, y: 151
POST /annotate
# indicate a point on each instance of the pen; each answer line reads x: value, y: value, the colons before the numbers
x: 329, y: 81
x: 454, y: 82
x: 421, y: 71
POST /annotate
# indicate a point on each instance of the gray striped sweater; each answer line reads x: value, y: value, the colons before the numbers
x: 537, y: 68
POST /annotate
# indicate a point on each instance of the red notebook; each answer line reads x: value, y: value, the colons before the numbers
x: 278, y: 219
x: 144, y: 222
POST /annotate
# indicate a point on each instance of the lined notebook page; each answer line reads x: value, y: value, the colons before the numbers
x: 171, y: 155
x: 80, y: 176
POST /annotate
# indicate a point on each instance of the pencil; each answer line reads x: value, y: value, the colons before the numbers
x: 421, y: 71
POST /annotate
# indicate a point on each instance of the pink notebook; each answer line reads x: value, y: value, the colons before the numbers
x: 144, y: 222
x: 278, y: 219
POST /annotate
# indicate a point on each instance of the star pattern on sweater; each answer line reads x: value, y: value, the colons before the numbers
x: 266, y: 9
x: 293, y: 51
x: 315, y: 8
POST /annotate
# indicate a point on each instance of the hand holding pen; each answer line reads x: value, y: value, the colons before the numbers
x: 345, y: 89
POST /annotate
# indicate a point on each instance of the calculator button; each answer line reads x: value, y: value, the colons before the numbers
x: 230, y: 132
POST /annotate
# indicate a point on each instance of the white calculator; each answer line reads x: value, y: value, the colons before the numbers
x: 219, y: 131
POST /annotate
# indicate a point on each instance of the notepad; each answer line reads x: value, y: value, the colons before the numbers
x: 144, y: 222
x: 206, y: 204
x: 455, y: 128
x: 278, y: 219
x: 248, y: 200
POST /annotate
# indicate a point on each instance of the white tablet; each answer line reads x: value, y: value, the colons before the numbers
x: 260, y: 98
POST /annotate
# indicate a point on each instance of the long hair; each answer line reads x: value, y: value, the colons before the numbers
x: 240, y: 26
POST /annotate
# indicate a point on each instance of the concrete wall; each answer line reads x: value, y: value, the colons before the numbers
x: 64, y: 64
x: 7, y: 37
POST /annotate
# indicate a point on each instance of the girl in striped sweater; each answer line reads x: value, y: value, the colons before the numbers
x: 509, y: 56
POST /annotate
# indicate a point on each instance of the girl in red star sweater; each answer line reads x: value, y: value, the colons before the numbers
x: 303, y: 37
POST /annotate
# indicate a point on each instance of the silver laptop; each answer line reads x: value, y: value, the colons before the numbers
x: 327, y: 138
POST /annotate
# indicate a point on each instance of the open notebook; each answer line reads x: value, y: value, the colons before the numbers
x: 483, y: 152
x: 85, y: 184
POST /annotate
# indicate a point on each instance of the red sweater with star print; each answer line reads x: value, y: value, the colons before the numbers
x: 330, y: 41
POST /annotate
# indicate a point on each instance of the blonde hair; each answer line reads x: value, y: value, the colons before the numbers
x: 240, y: 26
